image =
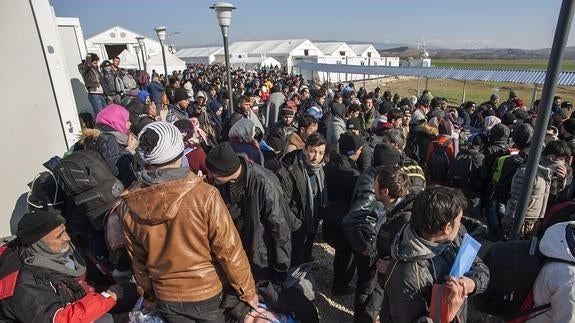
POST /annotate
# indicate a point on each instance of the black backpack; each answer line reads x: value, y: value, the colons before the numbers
x: 86, y: 178
x: 462, y: 172
x: 503, y: 171
x: 513, y: 268
x: 439, y: 162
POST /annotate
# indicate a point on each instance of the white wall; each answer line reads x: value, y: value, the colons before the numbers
x: 31, y: 130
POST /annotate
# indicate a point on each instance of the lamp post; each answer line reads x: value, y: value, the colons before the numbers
x: 161, y: 32
x: 137, y: 49
x: 140, y: 40
x: 223, y: 12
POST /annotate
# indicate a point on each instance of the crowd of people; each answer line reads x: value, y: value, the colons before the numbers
x: 221, y: 202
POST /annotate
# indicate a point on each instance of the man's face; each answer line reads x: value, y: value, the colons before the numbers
x: 213, y: 92
x: 321, y: 100
x: 305, y: 132
x: 94, y: 64
x: 220, y: 180
x: 58, y: 239
x: 152, y: 110
x: 557, y: 102
x: 314, y: 155
x: 116, y: 62
x: 368, y: 104
x: 380, y: 193
x: 287, y: 120
x: 246, y: 106
x: 177, y: 84
x: 184, y: 104
x: 397, y: 123
x: 305, y: 95
x: 443, y: 104
x: 200, y: 100
x: 454, y: 227
x: 406, y: 119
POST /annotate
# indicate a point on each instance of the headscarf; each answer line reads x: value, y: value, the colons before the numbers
x: 115, y: 116
x: 244, y: 130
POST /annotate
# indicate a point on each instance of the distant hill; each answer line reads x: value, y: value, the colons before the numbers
x: 486, y: 53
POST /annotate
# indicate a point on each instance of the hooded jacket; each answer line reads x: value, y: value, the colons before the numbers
x: 183, y: 242
x: 555, y: 281
x: 273, y: 105
x: 418, y: 141
x: 336, y: 126
x: 498, y: 140
x: 415, y: 266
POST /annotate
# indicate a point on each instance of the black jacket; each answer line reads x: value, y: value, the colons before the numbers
x: 396, y: 217
x: 359, y: 225
x: 341, y: 175
x: 264, y: 229
x: 418, y: 140
x: 498, y: 143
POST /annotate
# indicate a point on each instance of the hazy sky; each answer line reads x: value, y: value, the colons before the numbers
x: 527, y: 24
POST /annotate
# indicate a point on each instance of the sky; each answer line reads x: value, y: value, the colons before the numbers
x: 525, y: 24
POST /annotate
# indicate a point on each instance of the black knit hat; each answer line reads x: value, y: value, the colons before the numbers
x: 349, y: 143
x: 569, y: 125
x: 222, y: 160
x: 34, y: 226
x: 353, y: 124
x: 180, y: 94
x: 385, y: 155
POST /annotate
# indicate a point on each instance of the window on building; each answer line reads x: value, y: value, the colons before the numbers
x: 368, y: 54
x: 306, y: 52
x: 341, y: 53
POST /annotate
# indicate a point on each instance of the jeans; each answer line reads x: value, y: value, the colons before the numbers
x: 208, y: 311
x: 98, y: 102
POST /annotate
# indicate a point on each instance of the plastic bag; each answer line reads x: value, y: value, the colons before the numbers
x: 140, y: 314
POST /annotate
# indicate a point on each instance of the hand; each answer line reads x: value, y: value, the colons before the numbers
x: 468, y: 283
x: 381, y: 265
x: 116, y: 291
x: 254, y: 302
x: 561, y: 171
x: 132, y: 143
x: 455, y: 299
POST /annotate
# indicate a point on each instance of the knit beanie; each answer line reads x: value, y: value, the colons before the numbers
x: 143, y: 95
x: 114, y: 116
x: 353, y: 124
x: 160, y: 143
x: 180, y: 95
x: 34, y: 226
x: 349, y: 143
x: 222, y: 160
x: 385, y: 155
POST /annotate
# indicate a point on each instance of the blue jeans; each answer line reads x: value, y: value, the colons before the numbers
x: 98, y: 102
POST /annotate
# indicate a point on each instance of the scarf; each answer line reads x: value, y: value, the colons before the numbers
x: 318, y: 173
x: 162, y: 175
x: 68, y: 263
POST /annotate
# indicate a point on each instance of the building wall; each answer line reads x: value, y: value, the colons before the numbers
x: 32, y: 130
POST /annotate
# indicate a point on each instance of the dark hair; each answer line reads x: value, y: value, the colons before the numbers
x: 243, y: 99
x: 305, y: 121
x: 394, y: 114
x: 469, y: 104
x: 435, y: 207
x: 444, y: 127
x: 387, y: 94
x: 315, y: 140
x: 394, y: 179
x: 87, y: 120
x: 558, y: 148
x: 556, y: 97
x: 318, y: 93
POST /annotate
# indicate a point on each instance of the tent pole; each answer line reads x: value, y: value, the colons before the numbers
x: 426, y: 81
x: 549, y: 87
x: 464, y: 86
x: 417, y: 94
x: 534, y: 95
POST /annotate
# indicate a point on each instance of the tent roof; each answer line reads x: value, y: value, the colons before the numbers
x: 117, y: 35
x: 198, y: 51
x: 512, y: 76
x: 266, y: 46
x: 171, y: 59
x: 128, y: 60
x: 329, y: 47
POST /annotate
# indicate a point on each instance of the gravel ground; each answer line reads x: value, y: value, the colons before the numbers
x: 340, y: 308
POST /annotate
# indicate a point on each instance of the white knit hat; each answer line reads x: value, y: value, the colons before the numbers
x: 169, y: 144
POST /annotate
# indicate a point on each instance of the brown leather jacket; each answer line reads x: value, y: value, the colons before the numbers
x: 180, y: 235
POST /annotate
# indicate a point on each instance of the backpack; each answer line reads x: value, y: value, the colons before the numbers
x: 462, y: 173
x: 504, y: 169
x: 438, y: 165
x: 87, y: 179
x: 513, y: 268
x: 416, y: 176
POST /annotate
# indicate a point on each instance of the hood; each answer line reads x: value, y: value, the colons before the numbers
x: 559, y: 241
x: 166, y: 197
x: 409, y: 247
x: 243, y: 130
x: 338, y: 109
x: 499, y: 133
x: 426, y: 129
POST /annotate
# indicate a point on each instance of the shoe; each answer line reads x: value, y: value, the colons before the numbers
x: 117, y: 274
x: 338, y: 291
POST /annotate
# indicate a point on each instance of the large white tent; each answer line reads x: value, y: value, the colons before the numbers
x: 113, y: 41
x: 128, y: 60
x: 336, y: 49
x: 172, y: 62
x: 199, y: 55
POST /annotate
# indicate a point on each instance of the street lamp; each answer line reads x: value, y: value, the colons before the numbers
x: 140, y: 40
x: 223, y: 12
x: 137, y: 49
x: 161, y: 32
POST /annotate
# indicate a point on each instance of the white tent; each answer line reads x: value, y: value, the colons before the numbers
x: 128, y: 60
x: 172, y: 62
x: 199, y: 55
x: 335, y: 49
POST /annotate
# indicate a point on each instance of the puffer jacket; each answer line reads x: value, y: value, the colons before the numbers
x: 418, y: 141
x: 359, y: 225
x: 415, y: 266
x: 183, y: 242
x: 335, y: 128
x: 273, y: 105
x: 555, y: 281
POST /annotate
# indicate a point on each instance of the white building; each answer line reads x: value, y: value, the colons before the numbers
x: 115, y: 40
x: 335, y: 49
x: 288, y: 52
x: 199, y: 55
